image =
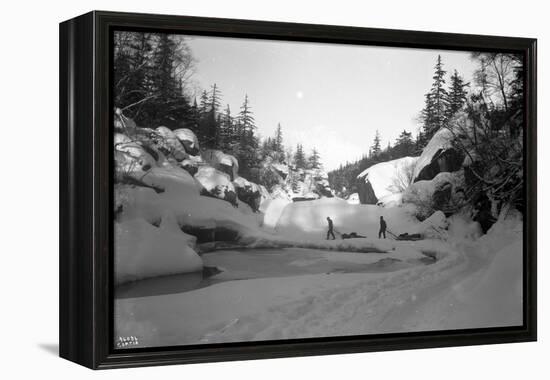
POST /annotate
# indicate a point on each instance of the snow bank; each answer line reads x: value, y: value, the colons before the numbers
x: 353, y: 199
x: 272, y: 210
x: 462, y: 227
x: 307, y: 220
x: 171, y: 180
x: 182, y: 200
x: 143, y: 250
x: 495, y: 296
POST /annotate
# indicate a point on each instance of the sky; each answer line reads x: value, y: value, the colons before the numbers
x: 327, y: 96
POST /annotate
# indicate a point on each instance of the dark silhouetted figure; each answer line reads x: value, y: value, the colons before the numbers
x: 382, y: 228
x: 330, y: 229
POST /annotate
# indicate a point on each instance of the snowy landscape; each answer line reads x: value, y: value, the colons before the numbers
x: 221, y: 229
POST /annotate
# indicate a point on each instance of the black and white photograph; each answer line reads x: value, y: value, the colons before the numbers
x: 274, y: 190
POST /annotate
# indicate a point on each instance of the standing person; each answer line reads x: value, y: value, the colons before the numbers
x: 382, y: 228
x: 330, y: 229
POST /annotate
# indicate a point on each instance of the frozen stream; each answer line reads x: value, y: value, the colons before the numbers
x: 234, y: 265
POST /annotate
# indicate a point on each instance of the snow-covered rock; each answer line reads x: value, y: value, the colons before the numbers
x: 168, y: 143
x: 143, y: 250
x: 385, y: 179
x: 189, y: 140
x: 444, y: 192
x: 281, y: 169
x: 192, y: 164
x: 248, y: 192
x: 438, y: 156
x: 216, y: 184
x: 435, y: 226
x: 222, y: 161
x: 131, y: 158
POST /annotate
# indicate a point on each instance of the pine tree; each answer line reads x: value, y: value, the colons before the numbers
x: 314, y: 161
x: 420, y: 142
x: 211, y: 120
x: 279, y: 139
x: 246, y: 118
x: 376, y: 149
x: 194, y: 118
x: 203, y: 108
x: 149, y: 77
x: 457, y: 95
x: 228, y: 137
x: 215, y: 98
x: 165, y: 85
x: 248, y: 145
x: 404, y: 145
x: 436, y: 102
x: 299, y: 157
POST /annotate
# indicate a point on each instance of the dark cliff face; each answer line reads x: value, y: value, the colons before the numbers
x: 366, y: 193
x: 444, y: 160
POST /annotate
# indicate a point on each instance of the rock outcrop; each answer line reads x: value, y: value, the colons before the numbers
x: 385, y: 181
x: 438, y: 156
x: 216, y: 184
x: 248, y: 192
x: 189, y: 140
x: 366, y: 193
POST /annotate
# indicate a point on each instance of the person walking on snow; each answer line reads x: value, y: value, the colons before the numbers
x: 330, y: 229
x: 382, y: 228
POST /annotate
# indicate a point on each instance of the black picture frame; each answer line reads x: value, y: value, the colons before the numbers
x: 86, y: 157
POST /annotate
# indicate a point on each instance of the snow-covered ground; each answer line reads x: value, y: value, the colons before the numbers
x: 472, y: 284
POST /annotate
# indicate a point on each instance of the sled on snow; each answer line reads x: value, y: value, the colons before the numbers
x: 406, y: 236
x: 351, y: 235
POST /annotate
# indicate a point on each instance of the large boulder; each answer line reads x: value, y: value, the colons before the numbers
x: 321, y: 183
x: 445, y: 193
x: 366, y: 193
x: 385, y: 180
x: 216, y: 184
x: 131, y: 158
x: 248, y: 192
x: 168, y: 144
x: 192, y: 163
x: 438, y: 156
x: 222, y: 162
x: 189, y: 140
x: 281, y: 169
